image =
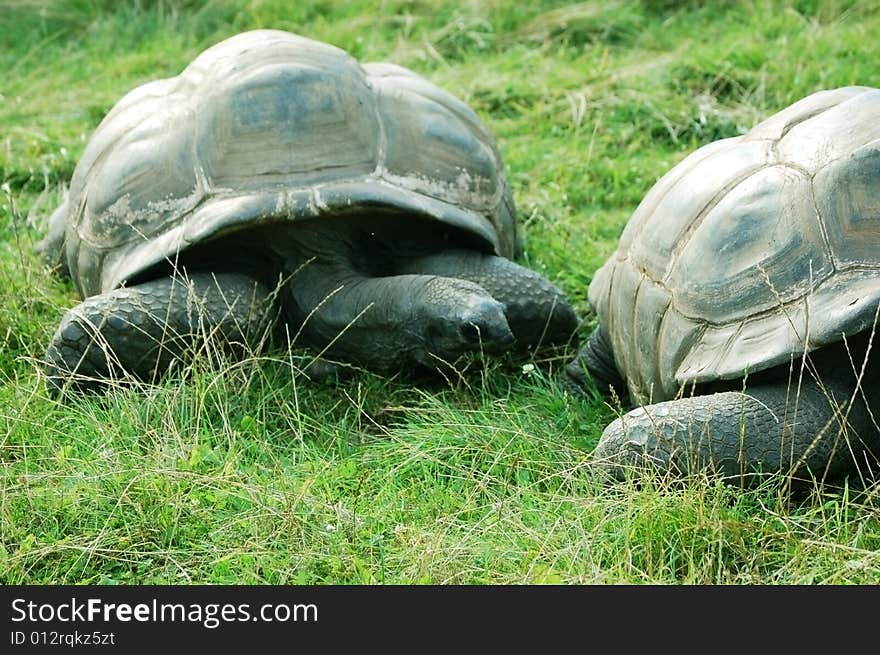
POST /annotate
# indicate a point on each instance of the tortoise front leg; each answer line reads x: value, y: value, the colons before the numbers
x: 140, y: 330
x: 536, y: 310
x: 814, y: 431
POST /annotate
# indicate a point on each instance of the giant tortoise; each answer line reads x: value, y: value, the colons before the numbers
x: 739, y: 309
x: 278, y: 187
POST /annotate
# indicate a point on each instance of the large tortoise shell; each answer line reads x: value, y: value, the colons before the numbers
x: 267, y: 127
x: 752, y: 250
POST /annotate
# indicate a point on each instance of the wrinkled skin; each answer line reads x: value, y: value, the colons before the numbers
x: 815, y: 420
x: 389, y: 297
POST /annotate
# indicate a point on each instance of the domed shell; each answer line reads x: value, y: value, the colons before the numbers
x: 751, y: 250
x: 268, y: 126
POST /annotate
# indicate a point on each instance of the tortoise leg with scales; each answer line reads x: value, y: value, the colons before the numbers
x: 740, y: 308
x: 278, y: 189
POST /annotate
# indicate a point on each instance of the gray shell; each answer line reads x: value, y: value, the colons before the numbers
x: 268, y: 126
x: 751, y: 250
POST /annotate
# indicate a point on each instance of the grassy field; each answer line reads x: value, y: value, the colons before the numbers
x: 248, y: 473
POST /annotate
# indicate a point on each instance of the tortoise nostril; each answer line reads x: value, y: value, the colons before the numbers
x: 485, y: 334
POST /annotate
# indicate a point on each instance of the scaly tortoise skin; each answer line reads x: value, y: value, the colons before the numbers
x: 738, y: 307
x: 278, y: 186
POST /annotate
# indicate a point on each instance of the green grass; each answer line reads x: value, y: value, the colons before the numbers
x: 248, y: 473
